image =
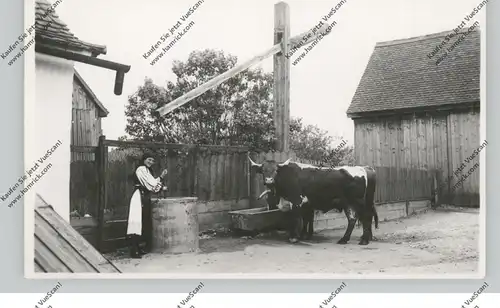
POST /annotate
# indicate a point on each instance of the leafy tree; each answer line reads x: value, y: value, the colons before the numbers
x: 309, y: 141
x: 345, y: 156
x: 237, y: 112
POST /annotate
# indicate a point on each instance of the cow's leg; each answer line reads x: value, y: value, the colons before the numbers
x: 303, y: 231
x: 366, y: 217
x: 304, y: 222
x: 352, y: 217
x: 293, y: 223
x: 309, y: 217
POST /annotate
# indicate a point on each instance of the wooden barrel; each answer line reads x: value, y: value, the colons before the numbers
x: 175, y: 225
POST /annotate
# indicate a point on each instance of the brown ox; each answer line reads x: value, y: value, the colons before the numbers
x: 309, y: 188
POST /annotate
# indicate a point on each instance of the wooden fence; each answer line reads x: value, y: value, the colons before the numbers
x: 219, y: 176
x: 207, y: 173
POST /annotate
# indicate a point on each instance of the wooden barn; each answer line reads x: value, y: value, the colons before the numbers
x: 86, y: 128
x: 87, y: 111
x: 409, y: 112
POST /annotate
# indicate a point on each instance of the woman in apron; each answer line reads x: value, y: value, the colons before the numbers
x: 139, y: 217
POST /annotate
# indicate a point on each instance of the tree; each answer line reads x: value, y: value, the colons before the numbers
x: 309, y: 141
x: 237, y: 112
x: 314, y: 144
x: 345, y: 156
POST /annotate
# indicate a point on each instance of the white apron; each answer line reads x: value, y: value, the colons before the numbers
x: 135, y: 209
x: 135, y: 214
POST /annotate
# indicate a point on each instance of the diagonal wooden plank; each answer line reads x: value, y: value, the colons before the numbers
x: 47, y: 259
x: 72, y: 236
x: 310, y: 35
x: 38, y: 268
x: 214, y: 82
x: 61, y: 247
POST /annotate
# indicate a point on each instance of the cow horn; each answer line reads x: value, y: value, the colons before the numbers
x: 254, y: 163
x: 285, y: 163
x: 263, y: 194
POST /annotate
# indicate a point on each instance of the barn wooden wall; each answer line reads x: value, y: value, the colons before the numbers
x: 437, y: 141
x: 463, y: 129
x: 86, y: 123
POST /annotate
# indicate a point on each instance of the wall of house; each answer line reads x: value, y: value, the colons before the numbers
x: 86, y: 123
x: 54, y: 84
x: 427, y: 141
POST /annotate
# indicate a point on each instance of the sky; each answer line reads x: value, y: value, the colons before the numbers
x: 322, y: 84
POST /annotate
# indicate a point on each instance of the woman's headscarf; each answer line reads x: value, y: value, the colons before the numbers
x: 141, y: 163
x: 145, y: 156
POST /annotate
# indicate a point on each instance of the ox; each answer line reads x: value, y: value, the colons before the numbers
x: 309, y: 188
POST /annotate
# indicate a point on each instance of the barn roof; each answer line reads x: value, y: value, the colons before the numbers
x: 400, y: 76
x: 59, y: 248
x: 103, y: 112
x: 50, y: 30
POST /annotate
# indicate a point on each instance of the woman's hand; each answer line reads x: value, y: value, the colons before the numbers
x: 163, y: 173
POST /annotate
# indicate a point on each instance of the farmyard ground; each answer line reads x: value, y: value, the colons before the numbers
x: 435, y: 242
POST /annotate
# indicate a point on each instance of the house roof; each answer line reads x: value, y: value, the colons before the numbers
x: 400, y: 75
x: 103, y: 111
x: 52, y: 31
x: 60, y: 248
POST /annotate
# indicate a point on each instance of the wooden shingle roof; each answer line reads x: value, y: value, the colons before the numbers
x: 60, y: 248
x: 400, y: 75
x: 52, y: 31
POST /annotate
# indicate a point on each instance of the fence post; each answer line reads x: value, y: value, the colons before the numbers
x: 102, y: 163
x: 251, y: 179
x: 194, y: 171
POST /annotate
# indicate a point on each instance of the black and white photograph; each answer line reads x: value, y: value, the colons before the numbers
x: 253, y: 139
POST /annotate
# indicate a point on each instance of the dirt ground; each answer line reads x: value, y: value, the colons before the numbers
x: 436, y: 242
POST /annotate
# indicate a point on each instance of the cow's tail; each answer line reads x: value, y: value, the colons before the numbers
x: 370, y: 193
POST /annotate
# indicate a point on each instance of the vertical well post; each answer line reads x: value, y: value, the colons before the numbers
x: 282, y: 76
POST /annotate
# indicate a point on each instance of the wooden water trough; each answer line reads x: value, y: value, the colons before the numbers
x: 257, y: 219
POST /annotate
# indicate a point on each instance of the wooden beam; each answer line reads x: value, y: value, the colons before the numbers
x: 83, y: 149
x: 214, y: 82
x: 281, y: 62
x: 309, y: 36
x: 157, y: 145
